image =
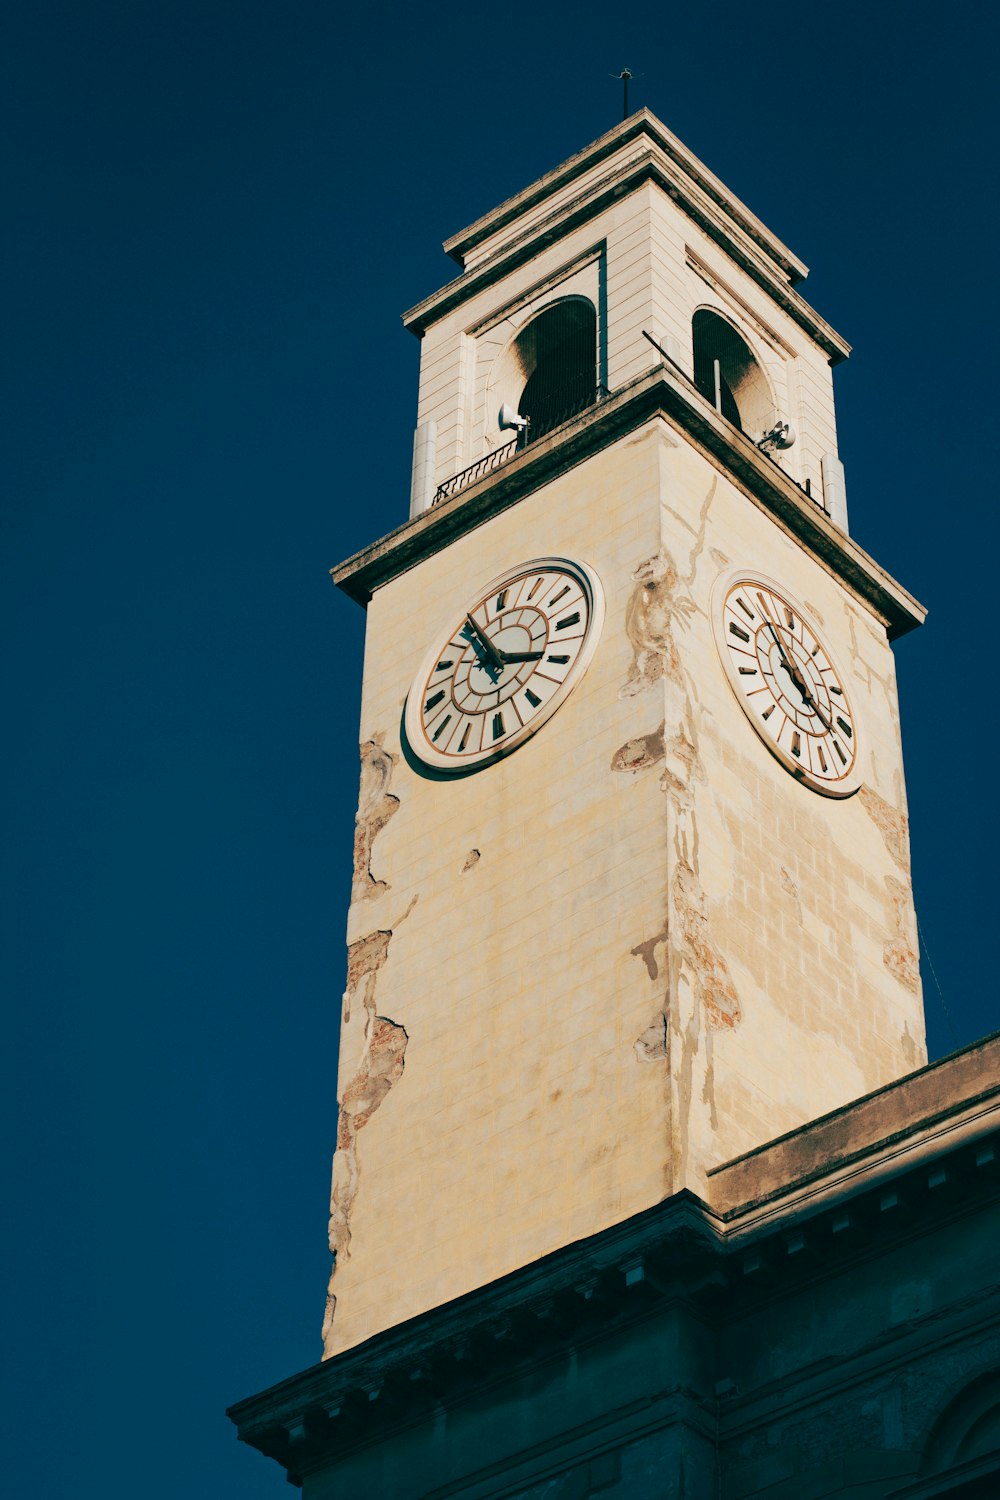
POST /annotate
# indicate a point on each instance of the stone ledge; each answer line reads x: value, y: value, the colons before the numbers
x: 659, y: 393
x: 655, y: 168
x: 678, y: 1252
x: 957, y: 1096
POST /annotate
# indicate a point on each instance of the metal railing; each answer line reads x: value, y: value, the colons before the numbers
x: 475, y: 471
x: 537, y: 429
x: 524, y: 439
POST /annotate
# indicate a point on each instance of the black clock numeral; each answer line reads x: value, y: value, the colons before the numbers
x: 535, y: 587
x: 843, y: 757
x: 738, y: 631
x: 465, y: 737
x: 561, y: 595
x: 839, y: 691
x: 748, y: 671
x: 443, y: 666
x: 557, y: 658
x: 497, y: 726
x: 845, y: 727
x: 439, y: 731
x: 432, y: 702
x: 573, y: 619
x: 822, y: 757
x: 502, y: 599
x: 746, y: 609
x: 768, y: 712
x: 790, y: 618
x: 532, y: 698
x: 796, y: 743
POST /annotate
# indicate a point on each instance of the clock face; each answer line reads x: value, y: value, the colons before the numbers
x: 787, y: 682
x: 510, y: 659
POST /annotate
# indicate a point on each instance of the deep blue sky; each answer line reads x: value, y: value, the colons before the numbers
x: 215, y: 213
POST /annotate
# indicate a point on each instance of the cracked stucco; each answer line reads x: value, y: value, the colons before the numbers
x: 742, y: 1007
x: 641, y: 753
x: 653, y: 611
x: 892, y: 824
x: 379, y: 1068
x: 683, y: 959
x: 376, y: 806
x: 900, y: 951
x: 381, y: 1062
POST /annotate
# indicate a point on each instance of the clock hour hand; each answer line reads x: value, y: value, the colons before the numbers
x: 485, y: 644
x: 800, y: 683
x: 790, y: 667
x: 506, y: 656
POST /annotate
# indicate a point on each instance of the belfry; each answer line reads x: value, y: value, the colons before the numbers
x: 642, y: 1180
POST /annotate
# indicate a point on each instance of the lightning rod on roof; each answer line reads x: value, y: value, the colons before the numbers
x: 624, y: 75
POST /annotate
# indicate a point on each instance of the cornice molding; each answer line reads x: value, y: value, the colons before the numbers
x: 658, y: 394
x: 642, y: 122
x: 675, y: 1252
x: 593, y: 201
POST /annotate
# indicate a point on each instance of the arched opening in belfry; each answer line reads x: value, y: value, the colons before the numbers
x: 727, y: 374
x: 556, y: 359
x: 967, y: 1432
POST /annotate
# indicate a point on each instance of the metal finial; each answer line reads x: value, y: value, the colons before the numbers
x: 625, y: 75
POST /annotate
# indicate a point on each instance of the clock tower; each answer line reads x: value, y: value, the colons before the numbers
x: 631, y: 878
x: 642, y: 1185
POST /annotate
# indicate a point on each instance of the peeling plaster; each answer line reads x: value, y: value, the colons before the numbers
x: 893, y: 825
x: 899, y: 953
x: 714, y: 989
x: 682, y: 768
x: 640, y: 753
x: 379, y: 1068
x: 471, y: 861
x: 375, y: 807
x: 699, y: 995
x: 652, y: 611
x: 364, y: 959
x: 654, y: 1044
x: 911, y: 1052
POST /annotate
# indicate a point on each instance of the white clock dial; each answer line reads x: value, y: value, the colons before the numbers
x: 508, y: 662
x: 787, y: 682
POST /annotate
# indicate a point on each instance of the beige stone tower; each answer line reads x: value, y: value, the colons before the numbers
x: 668, y: 926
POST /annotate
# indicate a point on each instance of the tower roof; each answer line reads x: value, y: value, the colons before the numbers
x: 640, y: 132
x: 639, y: 150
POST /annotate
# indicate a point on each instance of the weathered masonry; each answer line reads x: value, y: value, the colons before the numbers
x: 643, y: 1185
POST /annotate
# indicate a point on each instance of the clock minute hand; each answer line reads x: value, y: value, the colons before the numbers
x: 821, y: 716
x: 781, y: 650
